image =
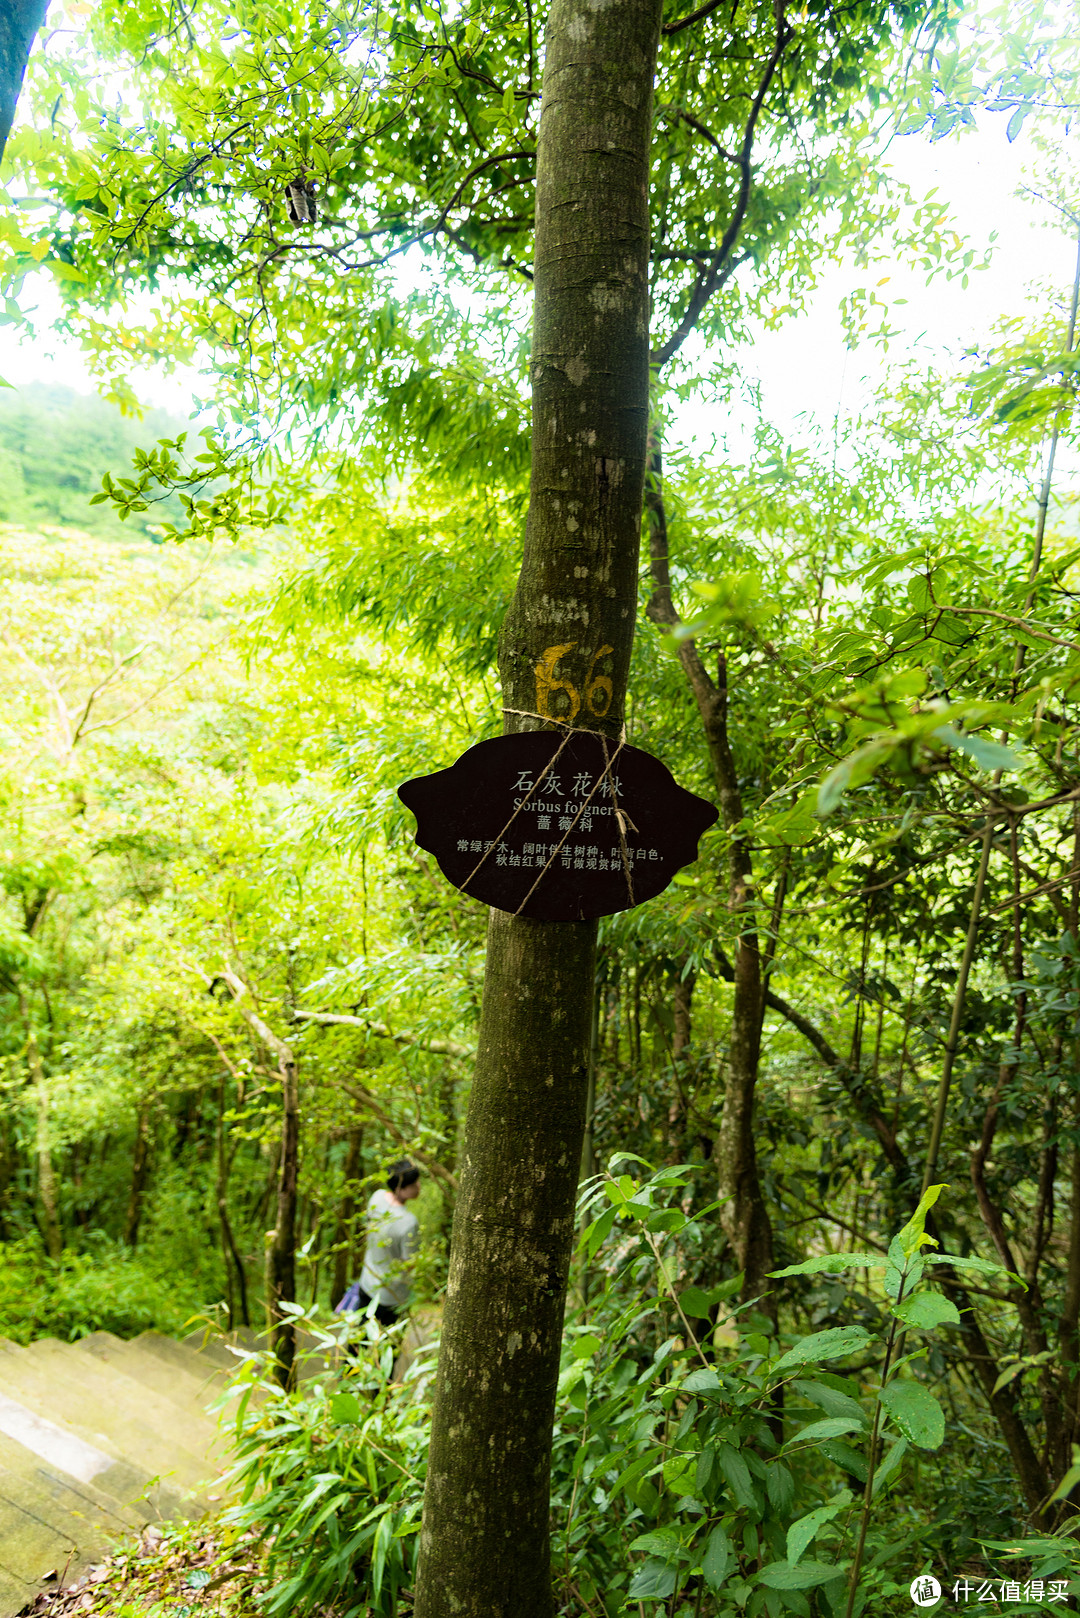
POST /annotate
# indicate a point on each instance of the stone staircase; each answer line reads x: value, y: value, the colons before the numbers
x: 97, y: 1439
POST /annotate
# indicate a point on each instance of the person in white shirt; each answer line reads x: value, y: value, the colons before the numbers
x: 392, y: 1234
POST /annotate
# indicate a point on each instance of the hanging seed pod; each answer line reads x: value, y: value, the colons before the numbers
x: 300, y: 201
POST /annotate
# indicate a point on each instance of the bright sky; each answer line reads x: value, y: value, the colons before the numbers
x: 804, y: 367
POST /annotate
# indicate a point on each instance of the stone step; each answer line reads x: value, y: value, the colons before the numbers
x: 210, y: 1364
x: 32, y: 1545
x: 169, y: 1416
x: 51, y: 1515
x: 190, y: 1390
x: 90, y: 1401
x: 59, y: 1449
x: 52, y: 1524
x: 62, y: 1498
x: 88, y: 1391
x: 98, y: 1438
x: 15, y: 1593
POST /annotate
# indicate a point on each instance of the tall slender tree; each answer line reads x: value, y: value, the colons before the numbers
x: 564, y: 657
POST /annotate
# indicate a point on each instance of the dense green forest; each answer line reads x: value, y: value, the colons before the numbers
x: 812, y: 1326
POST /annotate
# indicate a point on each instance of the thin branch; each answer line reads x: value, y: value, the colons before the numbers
x: 437, y: 1170
x: 440, y: 1047
x: 720, y: 268
x: 699, y: 15
x: 682, y: 116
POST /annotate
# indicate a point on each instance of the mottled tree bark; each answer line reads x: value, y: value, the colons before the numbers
x: 19, y: 22
x: 564, y: 656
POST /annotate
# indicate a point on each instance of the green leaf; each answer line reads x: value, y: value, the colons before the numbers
x: 830, y: 1264
x: 845, y: 1457
x: 916, y: 1412
x: 736, y: 1475
x: 978, y: 1266
x: 918, y: 592
x: 831, y: 1400
x: 831, y: 1427
x: 704, y: 1380
x: 585, y: 1347
x: 891, y: 564
x: 695, y: 1303
x: 719, y: 1558
x: 599, y: 1229
x: 345, y: 1409
x: 653, y: 1578
x: 663, y: 1542
x: 1068, y: 1482
x: 924, y: 1310
x: 800, y: 1534
x: 782, y: 1576
x: 888, y: 1465
x: 987, y: 755
x: 780, y: 1487
x: 912, y: 1236
x: 853, y: 771
x: 823, y: 1345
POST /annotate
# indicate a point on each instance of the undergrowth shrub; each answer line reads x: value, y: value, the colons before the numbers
x: 104, y: 1287
x: 330, y: 1477
x: 705, y: 1474
x: 702, y: 1468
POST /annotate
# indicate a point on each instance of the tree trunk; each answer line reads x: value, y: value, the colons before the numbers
x: 744, y: 1214
x: 448, y: 1110
x: 564, y: 655
x: 343, y: 1233
x: 46, y: 1180
x: 281, y: 1243
x: 139, y: 1169
x: 19, y: 23
x: 50, y: 1218
x: 282, y: 1264
x: 229, y: 1249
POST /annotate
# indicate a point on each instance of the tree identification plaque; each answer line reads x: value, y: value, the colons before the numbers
x: 557, y: 828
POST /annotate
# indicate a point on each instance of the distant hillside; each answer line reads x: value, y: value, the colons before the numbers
x: 54, y: 447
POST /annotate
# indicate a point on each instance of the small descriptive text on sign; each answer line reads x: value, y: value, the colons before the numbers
x: 557, y: 827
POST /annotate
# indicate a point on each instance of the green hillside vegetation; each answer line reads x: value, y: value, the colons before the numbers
x: 55, y: 446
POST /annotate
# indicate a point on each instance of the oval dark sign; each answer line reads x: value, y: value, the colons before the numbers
x: 557, y: 828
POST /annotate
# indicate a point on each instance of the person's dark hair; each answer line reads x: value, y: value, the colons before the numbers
x: 402, y: 1173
